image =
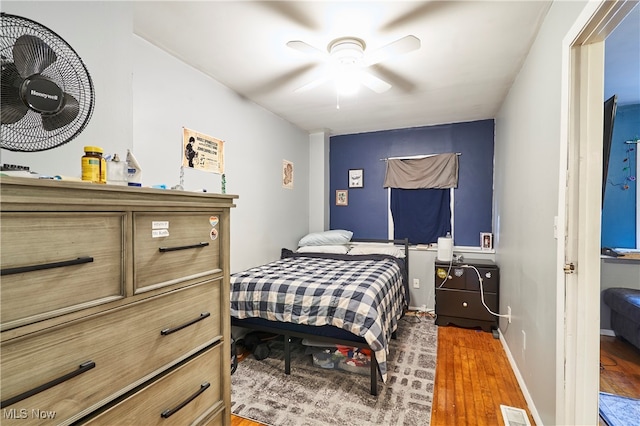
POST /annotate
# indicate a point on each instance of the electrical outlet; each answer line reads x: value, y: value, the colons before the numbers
x: 509, y: 313
x: 416, y: 283
x: 524, y: 341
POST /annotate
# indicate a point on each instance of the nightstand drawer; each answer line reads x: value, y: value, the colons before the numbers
x: 128, y: 345
x: 194, y: 386
x: 171, y: 248
x: 465, y: 304
x: 461, y: 277
x: 56, y: 263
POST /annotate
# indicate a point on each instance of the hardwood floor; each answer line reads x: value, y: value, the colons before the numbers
x: 619, y: 368
x: 473, y: 377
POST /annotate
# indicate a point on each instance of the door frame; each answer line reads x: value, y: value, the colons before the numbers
x: 579, y: 211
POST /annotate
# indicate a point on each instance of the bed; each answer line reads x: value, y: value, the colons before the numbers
x: 353, y: 298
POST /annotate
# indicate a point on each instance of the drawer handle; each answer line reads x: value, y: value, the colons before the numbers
x: 199, y: 245
x: 31, y: 268
x: 170, y: 412
x: 84, y: 367
x: 186, y: 324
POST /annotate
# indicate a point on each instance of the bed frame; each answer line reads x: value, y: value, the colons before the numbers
x: 332, y: 335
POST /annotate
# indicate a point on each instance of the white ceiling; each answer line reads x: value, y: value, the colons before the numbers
x: 470, y: 53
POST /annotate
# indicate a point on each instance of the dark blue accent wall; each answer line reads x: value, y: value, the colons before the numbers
x: 619, y: 208
x: 367, y: 212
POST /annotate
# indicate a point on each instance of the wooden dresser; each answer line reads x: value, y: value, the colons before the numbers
x: 114, y: 305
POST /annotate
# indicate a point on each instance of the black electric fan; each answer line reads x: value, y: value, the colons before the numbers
x: 46, y: 92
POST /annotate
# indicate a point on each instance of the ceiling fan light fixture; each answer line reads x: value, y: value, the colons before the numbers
x: 348, y: 51
x: 348, y: 81
x: 347, y: 54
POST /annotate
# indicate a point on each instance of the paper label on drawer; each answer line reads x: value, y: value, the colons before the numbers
x: 157, y: 233
x: 160, y: 224
x: 214, y: 233
x: 442, y: 273
x: 213, y: 220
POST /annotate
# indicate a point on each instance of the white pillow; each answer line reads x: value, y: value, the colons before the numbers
x: 377, y: 249
x: 334, y: 249
x: 333, y: 237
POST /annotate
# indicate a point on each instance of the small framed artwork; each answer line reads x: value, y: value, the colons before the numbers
x: 287, y: 174
x: 342, y: 197
x: 486, y: 240
x: 356, y: 178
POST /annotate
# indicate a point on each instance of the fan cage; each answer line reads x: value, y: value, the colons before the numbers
x: 68, y: 72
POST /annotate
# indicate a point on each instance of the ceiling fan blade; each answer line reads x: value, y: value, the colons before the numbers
x: 374, y: 83
x: 403, y: 45
x: 66, y: 115
x: 398, y: 81
x: 306, y: 48
x: 12, y: 108
x: 313, y: 84
x: 32, y: 55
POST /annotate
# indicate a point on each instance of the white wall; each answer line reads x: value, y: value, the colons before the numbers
x: 143, y: 99
x: 100, y: 33
x: 168, y: 94
x: 526, y: 197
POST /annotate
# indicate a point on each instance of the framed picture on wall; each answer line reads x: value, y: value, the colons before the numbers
x: 486, y: 241
x: 356, y: 178
x: 342, y: 197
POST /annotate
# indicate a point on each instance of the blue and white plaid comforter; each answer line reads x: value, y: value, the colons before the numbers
x: 365, y: 296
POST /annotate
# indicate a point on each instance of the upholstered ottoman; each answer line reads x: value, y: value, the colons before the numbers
x: 625, y: 313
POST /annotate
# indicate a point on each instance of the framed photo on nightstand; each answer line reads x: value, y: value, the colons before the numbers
x: 486, y: 241
x: 356, y: 178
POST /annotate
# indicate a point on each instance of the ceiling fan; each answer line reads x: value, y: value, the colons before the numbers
x: 347, y: 60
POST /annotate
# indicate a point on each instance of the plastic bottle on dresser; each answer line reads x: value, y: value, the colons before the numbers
x: 134, y: 172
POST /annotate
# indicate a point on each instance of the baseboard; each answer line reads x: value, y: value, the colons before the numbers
x: 521, y: 382
x: 419, y: 309
x: 605, y: 332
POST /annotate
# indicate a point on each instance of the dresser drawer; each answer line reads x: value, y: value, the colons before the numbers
x: 465, y: 304
x: 128, y: 345
x: 55, y: 263
x: 194, y: 386
x: 170, y: 248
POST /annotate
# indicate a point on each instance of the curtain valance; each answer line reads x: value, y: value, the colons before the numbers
x: 437, y: 171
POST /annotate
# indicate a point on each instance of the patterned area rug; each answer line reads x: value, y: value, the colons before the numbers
x: 618, y: 410
x: 312, y: 396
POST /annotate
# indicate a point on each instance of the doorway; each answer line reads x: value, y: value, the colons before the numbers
x: 580, y: 209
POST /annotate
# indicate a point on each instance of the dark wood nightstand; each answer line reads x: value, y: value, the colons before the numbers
x: 458, y: 300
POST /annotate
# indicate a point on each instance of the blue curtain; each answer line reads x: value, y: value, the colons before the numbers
x: 421, y: 215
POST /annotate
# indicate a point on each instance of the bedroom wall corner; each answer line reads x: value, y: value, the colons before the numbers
x: 318, y: 181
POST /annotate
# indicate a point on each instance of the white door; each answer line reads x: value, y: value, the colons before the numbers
x: 580, y: 212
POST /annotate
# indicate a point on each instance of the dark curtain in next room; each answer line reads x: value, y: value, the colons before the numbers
x: 415, y: 217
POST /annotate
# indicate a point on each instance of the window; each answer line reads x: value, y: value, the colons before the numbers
x: 420, y: 197
x: 421, y: 215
